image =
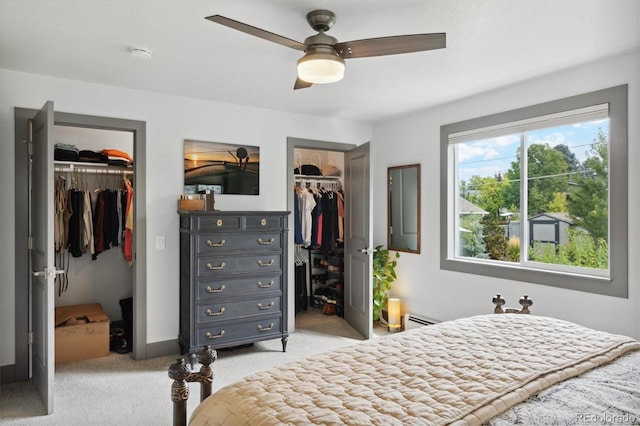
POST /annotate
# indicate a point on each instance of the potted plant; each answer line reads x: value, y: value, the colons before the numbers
x: 384, y: 273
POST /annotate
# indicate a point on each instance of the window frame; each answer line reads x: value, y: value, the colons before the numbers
x: 616, y: 284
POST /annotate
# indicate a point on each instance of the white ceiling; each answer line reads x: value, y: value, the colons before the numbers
x: 490, y: 43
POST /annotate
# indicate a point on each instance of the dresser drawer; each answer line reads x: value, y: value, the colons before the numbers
x: 233, y: 287
x: 227, y: 334
x: 227, y: 310
x: 263, y: 222
x: 226, y: 264
x: 221, y: 242
x: 216, y: 223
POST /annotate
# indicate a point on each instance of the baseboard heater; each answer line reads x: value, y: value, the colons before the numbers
x: 415, y: 321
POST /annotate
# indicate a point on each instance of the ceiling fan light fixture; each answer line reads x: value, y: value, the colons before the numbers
x: 323, y: 60
x: 320, y: 68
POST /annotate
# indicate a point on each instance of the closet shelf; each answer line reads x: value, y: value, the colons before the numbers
x: 313, y: 177
x: 76, y: 166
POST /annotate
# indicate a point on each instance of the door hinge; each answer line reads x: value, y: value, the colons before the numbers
x: 30, y: 243
x: 30, y: 337
x: 30, y: 135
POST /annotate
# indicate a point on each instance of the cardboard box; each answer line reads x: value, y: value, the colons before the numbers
x: 82, y: 332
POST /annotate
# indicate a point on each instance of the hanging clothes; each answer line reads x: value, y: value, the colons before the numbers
x: 297, y: 227
x: 85, y: 223
x: 106, y: 222
x: 316, y: 226
x: 123, y: 213
x: 61, y: 220
x: 340, y: 217
x: 114, y: 219
x: 98, y: 225
x: 321, y: 215
x: 329, y: 221
x: 75, y: 222
x: 307, y: 203
x: 128, y: 233
x: 87, y: 230
x: 111, y: 221
x: 301, y: 286
x: 61, y: 232
x: 120, y: 235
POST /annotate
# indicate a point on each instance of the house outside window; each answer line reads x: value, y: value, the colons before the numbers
x: 547, y: 179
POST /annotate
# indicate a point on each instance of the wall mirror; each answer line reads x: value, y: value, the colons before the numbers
x: 403, y: 208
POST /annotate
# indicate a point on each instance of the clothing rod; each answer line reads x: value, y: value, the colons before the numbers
x: 83, y: 169
x: 310, y: 177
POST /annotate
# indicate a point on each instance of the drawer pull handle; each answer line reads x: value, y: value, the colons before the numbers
x: 212, y: 244
x: 261, y: 263
x: 266, y: 243
x: 261, y: 328
x: 269, y: 306
x: 263, y: 222
x: 219, y: 222
x: 211, y: 336
x: 267, y: 285
x: 215, y: 314
x: 214, y: 268
x: 216, y: 290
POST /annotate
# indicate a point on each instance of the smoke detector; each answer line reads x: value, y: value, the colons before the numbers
x: 140, y: 53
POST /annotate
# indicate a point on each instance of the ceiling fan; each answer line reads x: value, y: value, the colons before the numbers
x: 323, y: 60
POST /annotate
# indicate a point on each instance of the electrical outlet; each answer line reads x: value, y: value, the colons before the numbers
x: 160, y: 242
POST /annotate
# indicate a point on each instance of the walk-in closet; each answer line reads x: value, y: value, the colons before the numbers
x: 94, y: 226
x: 318, y: 195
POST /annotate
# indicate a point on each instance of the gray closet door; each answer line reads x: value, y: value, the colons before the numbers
x: 42, y: 255
x: 358, y: 254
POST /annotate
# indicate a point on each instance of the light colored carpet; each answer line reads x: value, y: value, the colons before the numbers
x: 117, y: 390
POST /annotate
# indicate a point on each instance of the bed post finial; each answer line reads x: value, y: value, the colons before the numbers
x: 498, y: 301
x: 181, y: 375
x: 525, y: 302
x: 178, y: 371
x: 206, y: 357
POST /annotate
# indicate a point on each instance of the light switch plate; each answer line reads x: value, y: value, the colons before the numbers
x: 160, y: 242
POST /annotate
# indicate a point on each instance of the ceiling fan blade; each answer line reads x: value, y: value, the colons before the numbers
x: 257, y: 32
x: 391, y: 45
x: 301, y: 84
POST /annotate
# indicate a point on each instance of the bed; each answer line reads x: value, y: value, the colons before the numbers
x: 487, y: 369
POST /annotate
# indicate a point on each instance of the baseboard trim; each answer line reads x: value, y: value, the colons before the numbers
x: 167, y: 347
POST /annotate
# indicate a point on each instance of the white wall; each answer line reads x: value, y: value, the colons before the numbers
x: 170, y: 120
x: 426, y: 289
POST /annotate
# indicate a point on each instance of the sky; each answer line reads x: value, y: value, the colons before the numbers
x: 489, y: 157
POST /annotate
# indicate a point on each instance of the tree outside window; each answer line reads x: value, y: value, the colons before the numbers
x: 539, y: 194
x: 567, y: 174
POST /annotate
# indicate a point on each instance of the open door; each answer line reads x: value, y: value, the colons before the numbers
x: 358, y: 256
x: 42, y: 254
x: 358, y: 245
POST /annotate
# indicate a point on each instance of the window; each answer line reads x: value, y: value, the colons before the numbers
x: 539, y: 194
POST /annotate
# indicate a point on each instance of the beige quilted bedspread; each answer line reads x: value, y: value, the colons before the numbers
x: 462, y: 372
